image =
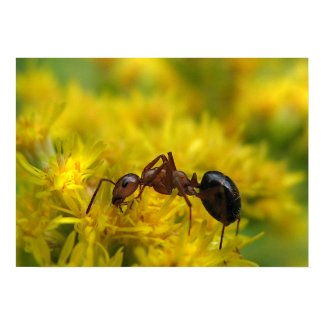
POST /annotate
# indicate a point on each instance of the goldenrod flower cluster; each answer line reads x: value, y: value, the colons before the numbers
x: 69, y: 136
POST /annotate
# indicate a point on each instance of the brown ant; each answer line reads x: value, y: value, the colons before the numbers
x: 217, y: 192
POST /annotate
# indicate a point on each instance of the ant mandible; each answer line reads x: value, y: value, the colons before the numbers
x: 218, y: 193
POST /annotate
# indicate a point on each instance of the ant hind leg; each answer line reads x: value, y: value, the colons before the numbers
x: 222, y: 233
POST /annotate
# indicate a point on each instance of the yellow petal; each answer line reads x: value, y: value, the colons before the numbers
x: 41, y: 251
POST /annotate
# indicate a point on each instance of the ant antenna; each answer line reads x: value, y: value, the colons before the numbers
x: 95, y: 193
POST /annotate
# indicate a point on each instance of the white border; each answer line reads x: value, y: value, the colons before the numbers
x: 161, y: 29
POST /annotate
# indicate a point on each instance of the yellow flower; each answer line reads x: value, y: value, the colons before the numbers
x: 65, y: 171
x: 198, y: 249
x: 33, y: 128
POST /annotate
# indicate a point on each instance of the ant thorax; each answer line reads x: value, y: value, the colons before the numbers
x: 157, y: 179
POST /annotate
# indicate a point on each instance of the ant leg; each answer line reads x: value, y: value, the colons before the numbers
x: 153, y: 162
x: 188, y: 202
x: 221, y: 237
x: 120, y: 206
x: 149, y: 180
x: 95, y: 193
x: 148, y: 167
x: 131, y: 205
x: 171, y: 160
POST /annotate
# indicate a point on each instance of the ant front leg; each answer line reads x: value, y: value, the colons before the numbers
x: 124, y: 203
x: 96, y: 191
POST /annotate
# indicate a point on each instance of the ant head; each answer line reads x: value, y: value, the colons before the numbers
x: 124, y: 187
x: 220, y: 196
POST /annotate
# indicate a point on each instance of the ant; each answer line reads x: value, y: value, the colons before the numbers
x: 218, y: 192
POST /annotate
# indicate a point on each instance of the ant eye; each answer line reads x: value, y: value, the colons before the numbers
x: 125, y: 183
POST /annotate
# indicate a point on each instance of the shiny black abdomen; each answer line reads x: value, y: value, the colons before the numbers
x: 220, y: 196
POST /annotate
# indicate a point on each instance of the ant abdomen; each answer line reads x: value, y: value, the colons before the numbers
x: 220, y: 197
